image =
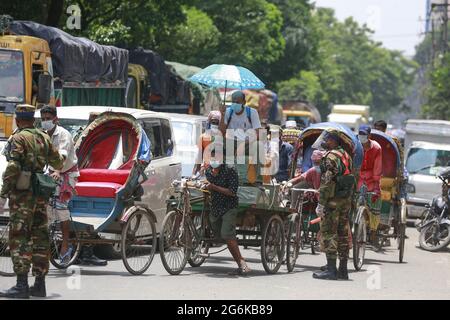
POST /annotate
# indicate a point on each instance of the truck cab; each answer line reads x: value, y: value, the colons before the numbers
x: 22, y: 60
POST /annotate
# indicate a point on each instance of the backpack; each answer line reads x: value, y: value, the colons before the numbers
x: 248, y: 111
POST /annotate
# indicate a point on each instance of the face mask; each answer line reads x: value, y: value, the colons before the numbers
x: 214, y: 164
x: 317, y: 168
x: 363, y: 139
x: 236, y: 107
x: 47, y: 125
x: 214, y: 127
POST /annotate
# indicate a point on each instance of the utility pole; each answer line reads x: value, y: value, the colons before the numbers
x: 445, y: 48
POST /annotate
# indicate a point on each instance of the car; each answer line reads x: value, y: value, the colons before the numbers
x: 163, y: 169
x: 187, y: 130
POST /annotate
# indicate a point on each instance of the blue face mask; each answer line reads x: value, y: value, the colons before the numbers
x: 236, y: 107
x: 317, y: 168
x: 214, y: 164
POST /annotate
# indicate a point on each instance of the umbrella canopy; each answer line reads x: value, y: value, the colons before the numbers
x: 228, y: 76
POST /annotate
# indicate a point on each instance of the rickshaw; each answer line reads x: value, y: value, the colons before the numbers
x: 186, y: 235
x: 307, y: 197
x: 113, y: 152
x: 392, y: 207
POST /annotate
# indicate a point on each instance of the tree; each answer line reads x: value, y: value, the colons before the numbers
x: 250, y: 31
x: 438, y: 92
x: 194, y: 41
x: 47, y: 12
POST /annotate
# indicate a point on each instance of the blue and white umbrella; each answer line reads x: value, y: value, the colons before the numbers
x: 228, y: 76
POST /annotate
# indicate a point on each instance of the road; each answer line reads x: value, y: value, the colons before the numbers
x: 424, y: 275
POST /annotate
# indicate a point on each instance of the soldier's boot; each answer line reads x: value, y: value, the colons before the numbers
x: 38, y: 289
x: 324, y: 268
x: 342, y: 271
x: 330, y: 273
x: 19, y: 291
x: 88, y: 257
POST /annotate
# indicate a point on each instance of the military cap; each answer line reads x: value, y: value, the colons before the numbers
x: 25, y: 111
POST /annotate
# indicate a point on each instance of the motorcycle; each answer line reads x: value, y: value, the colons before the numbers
x: 435, y: 226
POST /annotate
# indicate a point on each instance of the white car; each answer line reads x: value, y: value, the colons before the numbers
x: 187, y: 130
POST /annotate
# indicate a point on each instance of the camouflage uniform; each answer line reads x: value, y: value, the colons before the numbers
x: 334, y: 227
x: 28, y: 239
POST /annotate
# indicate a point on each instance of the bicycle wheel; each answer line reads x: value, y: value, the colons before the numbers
x: 200, y: 247
x: 401, y: 241
x: 138, y: 242
x: 174, y: 243
x: 56, y: 237
x: 359, y: 239
x: 273, y: 244
x: 293, y: 243
x: 6, y: 265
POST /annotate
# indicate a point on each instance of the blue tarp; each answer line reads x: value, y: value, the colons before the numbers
x: 145, y: 150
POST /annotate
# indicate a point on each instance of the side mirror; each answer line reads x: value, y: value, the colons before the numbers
x: 45, y: 88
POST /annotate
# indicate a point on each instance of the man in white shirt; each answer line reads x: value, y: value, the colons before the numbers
x: 67, y: 178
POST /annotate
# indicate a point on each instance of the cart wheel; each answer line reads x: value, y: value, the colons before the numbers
x: 272, y: 244
x: 138, y: 242
x: 199, y: 246
x: 56, y: 237
x: 293, y: 243
x: 401, y: 241
x: 359, y: 239
x: 174, y: 243
x: 6, y: 265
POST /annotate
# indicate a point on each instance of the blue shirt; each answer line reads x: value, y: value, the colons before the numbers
x: 285, y: 158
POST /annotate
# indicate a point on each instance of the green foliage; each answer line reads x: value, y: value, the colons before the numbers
x: 193, y: 41
x: 250, y: 31
x: 353, y: 69
x: 305, y: 87
x: 438, y: 92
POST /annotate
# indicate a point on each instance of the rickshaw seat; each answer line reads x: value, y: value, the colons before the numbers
x: 104, y: 175
x: 100, y: 183
x: 388, y: 187
x: 97, y: 189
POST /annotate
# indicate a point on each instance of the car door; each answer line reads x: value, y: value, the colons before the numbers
x: 163, y: 168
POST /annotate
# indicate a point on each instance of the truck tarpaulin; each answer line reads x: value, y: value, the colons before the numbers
x: 77, y: 59
x: 167, y: 87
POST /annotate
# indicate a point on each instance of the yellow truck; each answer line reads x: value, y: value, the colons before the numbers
x: 303, y: 113
x: 22, y: 60
x: 44, y: 65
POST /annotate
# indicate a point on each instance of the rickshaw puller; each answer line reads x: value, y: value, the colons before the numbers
x: 370, y: 175
x: 223, y: 184
x: 336, y: 188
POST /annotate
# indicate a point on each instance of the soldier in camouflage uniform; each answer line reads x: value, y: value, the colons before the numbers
x: 29, y: 150
x: 334, y: 206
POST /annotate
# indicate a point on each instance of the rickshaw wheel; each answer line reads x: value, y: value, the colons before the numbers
x: 6, y: 265
x: 273, y: 244
x: 293, y: 243
x: 199, y: 246
x: 55, y: 247
x: 138, y: 242
x: 174, y: 243
x: 359, y: 239
x: 401, y: 241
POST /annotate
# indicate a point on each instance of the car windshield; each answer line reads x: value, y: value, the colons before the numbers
x: 11, y: 76
x: 184, y: 133
x: 74, y: 126
x: 427, y: 161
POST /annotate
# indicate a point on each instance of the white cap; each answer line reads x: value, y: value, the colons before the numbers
x: 291, y: 124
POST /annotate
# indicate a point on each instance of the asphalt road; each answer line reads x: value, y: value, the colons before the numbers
x: 423, y: 275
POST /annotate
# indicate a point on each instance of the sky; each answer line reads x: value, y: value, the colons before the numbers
x: 398, y: 24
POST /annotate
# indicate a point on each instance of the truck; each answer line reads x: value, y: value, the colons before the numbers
x: 302, y: 112
x: 427, y: 145
x: 44, y: 65
x: 350, y: 115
